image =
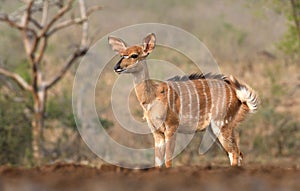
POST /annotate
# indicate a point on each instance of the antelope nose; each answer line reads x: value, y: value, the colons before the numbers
x: 117, y: 66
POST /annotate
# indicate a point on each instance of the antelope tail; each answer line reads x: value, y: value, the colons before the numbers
x: 245, y: 94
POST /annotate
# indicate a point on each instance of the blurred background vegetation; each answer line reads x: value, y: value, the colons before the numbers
x: 257, y: 41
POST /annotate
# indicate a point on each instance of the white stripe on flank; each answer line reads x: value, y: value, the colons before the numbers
x: 180, y: 97
x: 190, y: 98
x: 223, y: 100
x: 174, y: 101
x: 218, y: 94
x: 230, y: 95
x: 173, y: 94
x: 205, y: 95
x: 211, y: 87
x: 198, y: 100
x: 169, y: 101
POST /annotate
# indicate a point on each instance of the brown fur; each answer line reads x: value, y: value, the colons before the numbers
x: 185, y: 104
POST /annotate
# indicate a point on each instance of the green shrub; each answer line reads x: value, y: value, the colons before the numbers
x: 290, y: 43
x: 15, y: 132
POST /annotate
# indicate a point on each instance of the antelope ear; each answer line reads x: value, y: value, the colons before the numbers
x: 149, y: 43
x: 117, y: 44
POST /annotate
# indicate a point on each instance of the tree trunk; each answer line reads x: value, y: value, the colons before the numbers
x: 38, y: 125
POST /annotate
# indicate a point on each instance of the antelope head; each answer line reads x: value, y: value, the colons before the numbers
x: 131, y: 57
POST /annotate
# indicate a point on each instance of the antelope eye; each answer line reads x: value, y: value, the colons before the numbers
x: 134, y: 56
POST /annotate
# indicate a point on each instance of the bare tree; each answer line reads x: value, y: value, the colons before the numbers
x: 36, y: 32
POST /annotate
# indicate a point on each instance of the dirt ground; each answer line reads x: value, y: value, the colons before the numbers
x: 76, y: 177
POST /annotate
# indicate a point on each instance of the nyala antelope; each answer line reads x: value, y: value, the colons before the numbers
x: 179, y: 103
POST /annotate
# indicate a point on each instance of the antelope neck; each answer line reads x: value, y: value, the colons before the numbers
x: 144, y: 87
x: 142, y: 75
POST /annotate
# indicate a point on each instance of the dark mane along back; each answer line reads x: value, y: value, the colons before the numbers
x: 196, y: 76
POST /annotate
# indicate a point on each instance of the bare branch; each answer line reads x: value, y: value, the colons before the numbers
x: 92, y: 9
x: 59, y: 14
x: 42, y: 50
x: 27, y: 40
x: 71, y: 60
x: 45, y: 12
x: 36, y: 23
x: 73, y: 21
x: 30, y: 46
x: 40, y: 41
x: 26, y: 17
x: 14, y: 24
x: 85, y: 25
x: 5, y: 18
x: 17, y: 78
x: 37, y: 7
x: 65, y: 24
x: 84, y: 39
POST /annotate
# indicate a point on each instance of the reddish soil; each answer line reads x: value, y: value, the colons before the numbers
x: 80, y: 178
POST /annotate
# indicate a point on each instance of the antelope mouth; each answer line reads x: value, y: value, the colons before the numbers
x: 120, y: 70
